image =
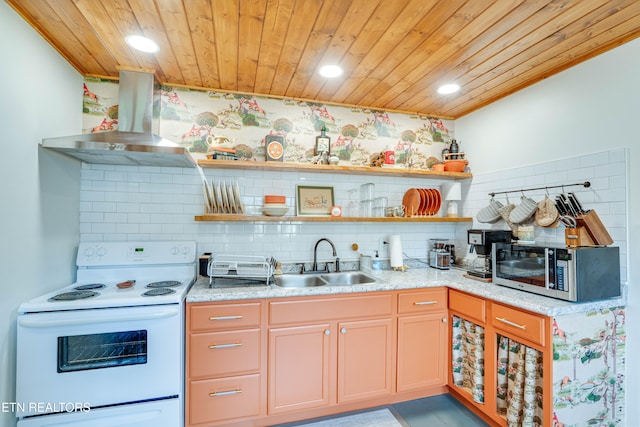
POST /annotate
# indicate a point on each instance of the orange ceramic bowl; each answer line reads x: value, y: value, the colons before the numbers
x: 455, y: 165
x: 273, y: 199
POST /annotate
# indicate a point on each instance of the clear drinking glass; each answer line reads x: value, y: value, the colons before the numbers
x: 366, y: 191
x: 379, y: 206
x: 353, y: 205
x: 366, y: 208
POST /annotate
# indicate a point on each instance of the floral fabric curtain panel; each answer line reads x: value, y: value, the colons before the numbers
x: 468, y: 357
x: 519, y: 394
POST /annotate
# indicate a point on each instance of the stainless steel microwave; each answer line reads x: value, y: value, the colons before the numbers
x: 572, y: 274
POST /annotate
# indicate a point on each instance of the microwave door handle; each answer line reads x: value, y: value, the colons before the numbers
x: 546, y: 268
x: 27, y: 322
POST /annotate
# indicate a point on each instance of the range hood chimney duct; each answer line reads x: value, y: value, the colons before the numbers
x: 136, y: 141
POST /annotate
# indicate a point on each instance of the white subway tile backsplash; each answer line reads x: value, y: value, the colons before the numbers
x: 104, y: 207
x: 151, y: 203
x: 127, y: 228
x: 115, y: 217
x: 103, y: 227
x: 606, y: 171
x: 91, y: 217
x: 593, y: 159
x: 91, y: 196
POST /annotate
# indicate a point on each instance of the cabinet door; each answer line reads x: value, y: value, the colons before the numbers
x: 422, y: 351
x: 365, y: 359
x: 299, y: 365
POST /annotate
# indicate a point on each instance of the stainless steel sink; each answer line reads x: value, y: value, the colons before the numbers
x: 348, y: 278
x: 344, y: 278
x: 299, y: 280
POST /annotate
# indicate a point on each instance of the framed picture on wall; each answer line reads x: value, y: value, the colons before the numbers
x: 316, y: 201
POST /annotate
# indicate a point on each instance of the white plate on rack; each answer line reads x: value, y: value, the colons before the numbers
x: 236, y: 193
x: 232, y: 201
x: 214, y: 201
x: 207, y: 197
x: 220, y: 199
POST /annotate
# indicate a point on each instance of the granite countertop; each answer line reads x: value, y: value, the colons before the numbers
x: 411, y: 279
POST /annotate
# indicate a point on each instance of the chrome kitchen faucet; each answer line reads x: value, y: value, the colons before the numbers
x: 314, y: 267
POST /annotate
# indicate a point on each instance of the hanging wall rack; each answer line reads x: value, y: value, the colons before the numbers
x: 585, y: 184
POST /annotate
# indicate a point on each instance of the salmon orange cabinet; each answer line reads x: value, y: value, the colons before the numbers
x: 224, y: 362
x: 325, y: 351
x: 422, y: 334
x: 270, y: 361
x: 496, y: 349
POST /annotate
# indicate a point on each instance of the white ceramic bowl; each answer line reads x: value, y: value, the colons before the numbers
x: 275, y: 210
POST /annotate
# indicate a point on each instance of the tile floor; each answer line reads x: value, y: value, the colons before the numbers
x: 435, y: 411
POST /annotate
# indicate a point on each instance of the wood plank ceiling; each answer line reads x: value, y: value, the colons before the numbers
x: 395, y: 53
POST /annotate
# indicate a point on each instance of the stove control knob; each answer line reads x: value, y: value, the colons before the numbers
x: 185, y: 250
x: 88, y: 252
x: 101, y: 251
x: 174, y: 250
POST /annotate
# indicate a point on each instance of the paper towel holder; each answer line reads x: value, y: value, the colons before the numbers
x: 395, y: 251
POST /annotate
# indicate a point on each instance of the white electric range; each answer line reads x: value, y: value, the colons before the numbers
x: 109, y: 348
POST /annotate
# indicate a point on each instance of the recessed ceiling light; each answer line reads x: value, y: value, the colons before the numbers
x: 142, y: 43
x: 330, y: 71
x: 447, y: 89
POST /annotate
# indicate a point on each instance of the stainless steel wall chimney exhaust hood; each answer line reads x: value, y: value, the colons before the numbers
x: 134, y: 143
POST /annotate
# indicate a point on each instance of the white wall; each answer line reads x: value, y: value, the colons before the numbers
x: 41, y: 96
x: 590, y: 108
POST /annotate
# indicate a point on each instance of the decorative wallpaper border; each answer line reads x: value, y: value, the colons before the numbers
x: 206, y: 121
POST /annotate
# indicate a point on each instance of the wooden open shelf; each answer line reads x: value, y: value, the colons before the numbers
x: 265, y: 218
x: 344, y: 169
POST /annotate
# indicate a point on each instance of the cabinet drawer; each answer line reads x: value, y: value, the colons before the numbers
x: 224, y: 353
x: 518, y: 323
x: 224, y: 399
x: 472, y: 308
x: 422, y: 302
x: 211, y: 317
x: 317, y: 310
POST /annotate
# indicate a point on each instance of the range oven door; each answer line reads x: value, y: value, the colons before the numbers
x: 97, y: 357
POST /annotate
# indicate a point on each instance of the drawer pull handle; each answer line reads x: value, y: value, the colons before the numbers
x: 226, y: 318
x: 225, y: 393
x: 228, y: 345
x: 508, y: 322
x: 425, y: 302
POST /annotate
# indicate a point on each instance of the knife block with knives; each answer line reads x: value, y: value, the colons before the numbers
x: 588, y: 230
x: 594, y: 228
x: 576, y: 237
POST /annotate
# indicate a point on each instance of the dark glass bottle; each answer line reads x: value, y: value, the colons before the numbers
x: 323, y: 142
x: 453, y: 149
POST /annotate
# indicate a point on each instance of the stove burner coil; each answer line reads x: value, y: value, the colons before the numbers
x: 90, y: 286
x: 164, y: 284
x: 74, y: 295
x: 158, y: 292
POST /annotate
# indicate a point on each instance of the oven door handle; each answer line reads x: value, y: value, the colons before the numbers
x: 30, y: 322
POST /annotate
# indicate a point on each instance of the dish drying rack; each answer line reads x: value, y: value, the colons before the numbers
x: 241, y: 267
